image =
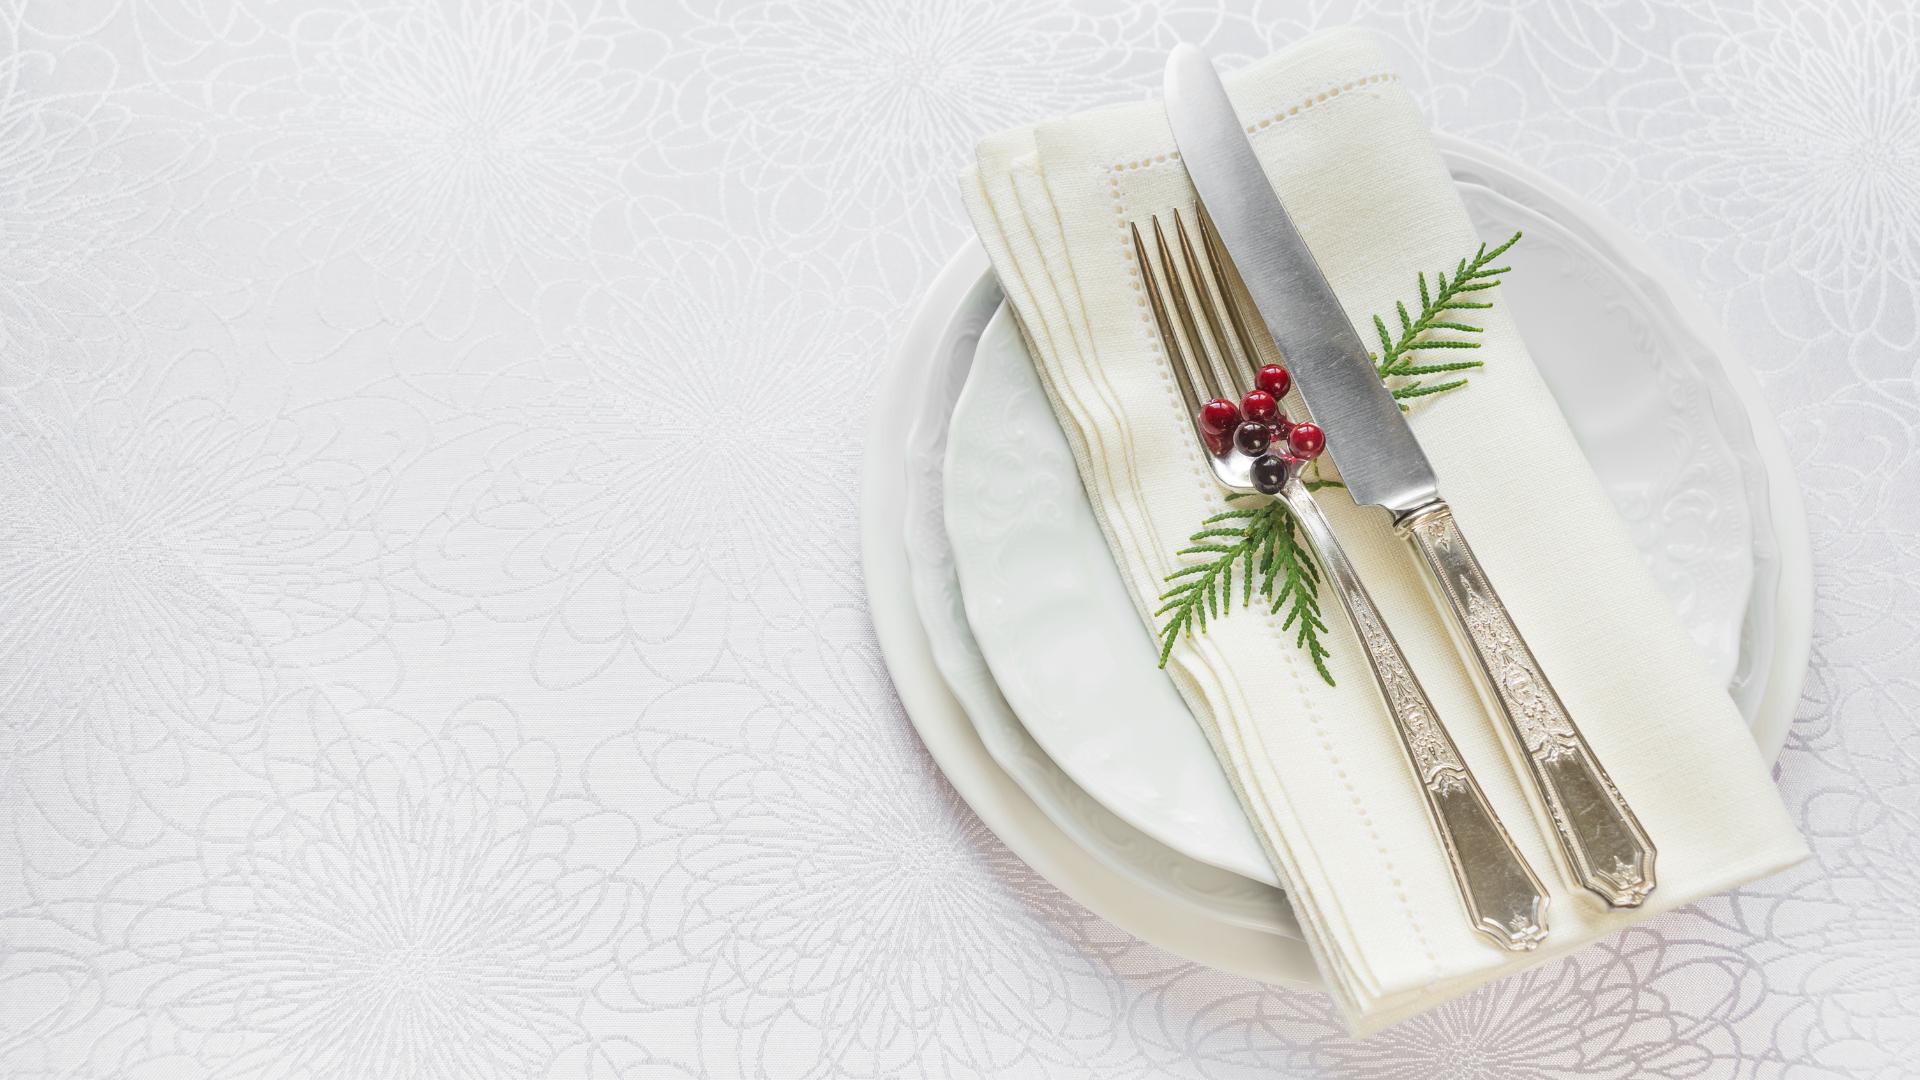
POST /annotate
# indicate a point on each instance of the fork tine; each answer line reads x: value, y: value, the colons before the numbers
x: 1182, y: 373
x: 1233, y: 372
x: 1199, y: 358
x: 1199, y: 348
x: 1228, y: 277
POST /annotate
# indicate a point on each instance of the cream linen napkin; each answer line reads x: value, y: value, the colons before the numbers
x: 1318, y: 769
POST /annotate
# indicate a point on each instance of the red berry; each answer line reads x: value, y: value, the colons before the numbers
x: 1307, y: 440
x: 1259, y: 405
x: 1217, y: 441
x: 1219, y: 415
x: 1275, y: 380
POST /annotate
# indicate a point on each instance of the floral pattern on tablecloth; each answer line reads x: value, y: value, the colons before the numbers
x: 432, y: 640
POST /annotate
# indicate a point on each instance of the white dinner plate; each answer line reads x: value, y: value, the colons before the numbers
x: 1646, y: 398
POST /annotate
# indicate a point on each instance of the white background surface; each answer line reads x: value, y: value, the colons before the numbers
x: 431, y: 637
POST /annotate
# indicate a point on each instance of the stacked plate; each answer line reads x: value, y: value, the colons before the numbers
x: 1026, y: 667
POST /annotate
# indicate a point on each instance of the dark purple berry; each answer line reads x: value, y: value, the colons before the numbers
x: 1270, y: 474
x: 1253, y: 437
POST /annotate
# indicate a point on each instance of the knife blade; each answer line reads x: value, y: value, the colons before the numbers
x: 1379, y: 459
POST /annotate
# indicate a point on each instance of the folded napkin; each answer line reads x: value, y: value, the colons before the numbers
x: 1318, y: 769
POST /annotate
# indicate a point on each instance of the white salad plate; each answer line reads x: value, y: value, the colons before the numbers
x: 1711, y: 500
x: 1068, y: 839
x: 1149, y: 865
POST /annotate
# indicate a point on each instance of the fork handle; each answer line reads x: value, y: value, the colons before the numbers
x: 1603, y: 841
x: 1504, y: 900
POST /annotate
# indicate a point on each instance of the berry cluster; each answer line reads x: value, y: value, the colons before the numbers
x: 1259, y: 429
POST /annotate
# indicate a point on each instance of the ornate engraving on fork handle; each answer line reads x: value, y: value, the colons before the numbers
x: 1604, y: 842
x: 1504, y: 900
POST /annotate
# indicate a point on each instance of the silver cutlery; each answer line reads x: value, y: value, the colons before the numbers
x: 1381, y: 463
x: 1211, y: 357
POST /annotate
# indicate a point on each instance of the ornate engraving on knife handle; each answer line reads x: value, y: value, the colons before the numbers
x: 1504, y: 900
x: 1604, y: 842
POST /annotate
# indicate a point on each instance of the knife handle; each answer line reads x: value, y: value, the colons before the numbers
x: 1504, y: 900
x: 1604, y: 843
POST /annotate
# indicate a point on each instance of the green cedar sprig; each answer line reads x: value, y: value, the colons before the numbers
x: 1399, y: 361
x: 1264, y: 542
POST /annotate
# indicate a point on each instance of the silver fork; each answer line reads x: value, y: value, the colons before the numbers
x: 1504, y: 899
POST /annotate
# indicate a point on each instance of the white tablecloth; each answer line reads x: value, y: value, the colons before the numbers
x: 432, y: 641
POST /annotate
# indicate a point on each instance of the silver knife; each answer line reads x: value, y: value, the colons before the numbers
x: 1606, y: 849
